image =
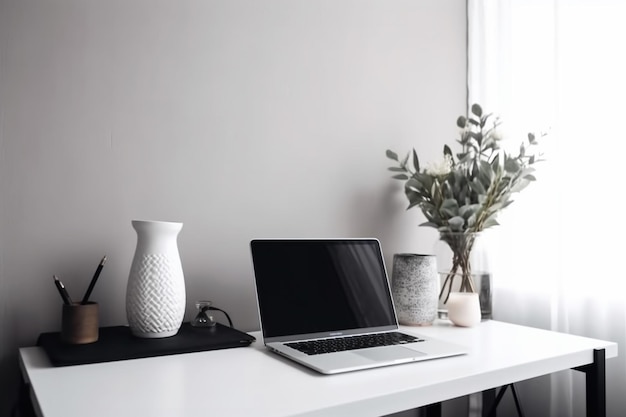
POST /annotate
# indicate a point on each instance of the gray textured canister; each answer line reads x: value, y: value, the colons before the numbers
x: 414, y: 286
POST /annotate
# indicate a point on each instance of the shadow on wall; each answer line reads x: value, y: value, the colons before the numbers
x: 10, y: 377
x: 9, y: 384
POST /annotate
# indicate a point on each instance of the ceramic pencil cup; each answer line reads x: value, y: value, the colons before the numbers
x: 79, y: 323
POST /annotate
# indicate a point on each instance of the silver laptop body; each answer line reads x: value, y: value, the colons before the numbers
x: 312, y: 289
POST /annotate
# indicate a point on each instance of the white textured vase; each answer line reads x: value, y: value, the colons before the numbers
x: 155, y: 295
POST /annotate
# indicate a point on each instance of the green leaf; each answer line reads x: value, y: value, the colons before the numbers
x: 450, y: 207
x: 463, y: 196
x: 471, y: 221
x: 474, y: 169
x: 491, y: 221
x: 392, y: 155
x: 397, y: 169
x: 416, y: 162
x: 450, y: 203
x: 446, y: 190
x: 468, y: 210
x: 425, y: 179
x: 451, y: 180
x: 519, y: 186
x: 489, y: 143
x: 400, y: 177
x: 449, y: 213
x: 427, y: 207
x: 413, y: 204
x: 484, y: 118
x: 477, y: 187
x: 511, y: 165
x: 456, y: 223
x: 411, y: 196
x: 413, y: 184
x: 405, y: 160
x: 434, y: 194
x: 461, y: 122
x: 447, y: 150
x: 461, y: 155
x: 430, y: 224
x: 530, y: 177
x: 428, y: 213
x: 495, y: 207
x: 485, y: 174
x: 495, y: 164
x: 477, y: 110
x: 532, y: 139
x: 479, y: 137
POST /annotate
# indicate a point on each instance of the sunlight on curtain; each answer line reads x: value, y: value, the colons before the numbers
x: 560, y: 67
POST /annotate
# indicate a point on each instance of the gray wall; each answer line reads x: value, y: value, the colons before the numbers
x: 239, y: 118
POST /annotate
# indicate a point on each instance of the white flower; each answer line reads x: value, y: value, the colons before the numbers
x: 441, y: 168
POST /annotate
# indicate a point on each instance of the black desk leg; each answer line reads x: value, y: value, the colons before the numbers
x: 489, y: 398
x: 433, y: 410
x: 595, y: 375
x: 24, y: 405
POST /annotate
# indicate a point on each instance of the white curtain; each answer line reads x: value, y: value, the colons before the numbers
x: 560, y: 67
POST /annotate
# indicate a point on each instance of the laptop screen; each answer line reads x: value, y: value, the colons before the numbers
x: 320, y: 286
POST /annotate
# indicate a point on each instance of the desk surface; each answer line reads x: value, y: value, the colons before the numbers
x: 251, y: 381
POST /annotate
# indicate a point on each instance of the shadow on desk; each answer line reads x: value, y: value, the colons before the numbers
x: 454, y: 407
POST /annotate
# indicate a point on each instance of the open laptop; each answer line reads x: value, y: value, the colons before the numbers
x: 326, y: 304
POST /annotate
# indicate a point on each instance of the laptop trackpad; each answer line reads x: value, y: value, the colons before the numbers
x: 390, y: 353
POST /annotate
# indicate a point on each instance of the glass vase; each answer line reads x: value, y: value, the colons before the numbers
x: 463, y: 265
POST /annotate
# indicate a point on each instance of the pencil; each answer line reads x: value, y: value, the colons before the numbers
x: 64, y: 294
x: 93, y: 280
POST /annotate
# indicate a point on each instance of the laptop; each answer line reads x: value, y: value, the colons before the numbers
x: 326, y: 304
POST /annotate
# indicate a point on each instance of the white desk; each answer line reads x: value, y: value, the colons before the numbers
x: 253, y: 382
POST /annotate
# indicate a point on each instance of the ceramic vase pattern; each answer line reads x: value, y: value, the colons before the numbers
x: 415, y: 286
x: 155, y: 295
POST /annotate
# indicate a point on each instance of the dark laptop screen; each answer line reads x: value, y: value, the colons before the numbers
x: 318, y: 286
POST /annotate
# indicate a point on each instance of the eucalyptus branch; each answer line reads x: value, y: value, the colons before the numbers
x: 465, y: 196
x: 491, y: 200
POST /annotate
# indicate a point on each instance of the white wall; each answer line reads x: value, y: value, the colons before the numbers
x: 239, y: 118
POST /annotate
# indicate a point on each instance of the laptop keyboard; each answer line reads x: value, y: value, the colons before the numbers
x: 319, y: 346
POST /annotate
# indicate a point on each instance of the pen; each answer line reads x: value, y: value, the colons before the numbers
x: 64, y: 294
x: 93, y: 280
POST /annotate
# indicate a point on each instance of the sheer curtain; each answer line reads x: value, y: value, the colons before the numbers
x: 560, y: 67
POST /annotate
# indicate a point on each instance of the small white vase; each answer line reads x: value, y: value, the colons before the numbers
x: 464, y: 309
x: 155, y: 295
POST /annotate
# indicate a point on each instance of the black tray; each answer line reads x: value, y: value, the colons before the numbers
x: 117, y: 343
